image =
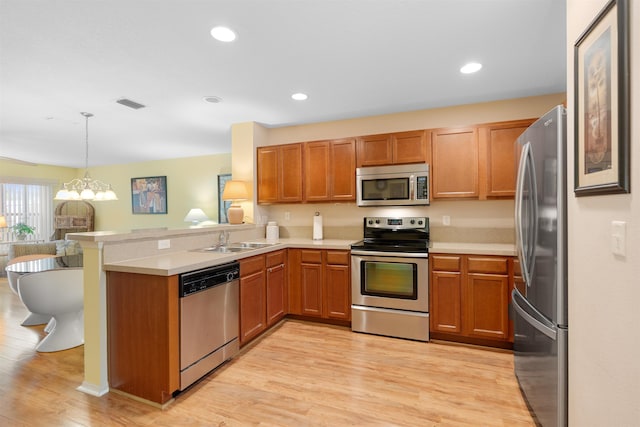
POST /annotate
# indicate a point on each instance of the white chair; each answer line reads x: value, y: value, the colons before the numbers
x: 32, y: 319
x: 59, y: 294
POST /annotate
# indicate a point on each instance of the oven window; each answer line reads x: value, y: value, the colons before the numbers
x: 389, y: 279
x: 385, y: 189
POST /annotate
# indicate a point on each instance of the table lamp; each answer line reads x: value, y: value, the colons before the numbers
x: 196, y: 216
x: 235, y: 191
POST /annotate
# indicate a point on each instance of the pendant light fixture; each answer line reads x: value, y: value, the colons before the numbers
x: 86, y: 188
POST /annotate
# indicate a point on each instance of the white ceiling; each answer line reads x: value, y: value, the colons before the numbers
x: 352, y: 57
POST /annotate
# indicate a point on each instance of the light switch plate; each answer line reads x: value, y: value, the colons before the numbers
x: 618, y: 238
x: 446, y: 220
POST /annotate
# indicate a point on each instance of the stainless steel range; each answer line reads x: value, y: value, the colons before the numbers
x: 390, y: 278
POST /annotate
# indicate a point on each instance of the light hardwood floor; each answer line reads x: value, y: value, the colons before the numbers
x: 299, y: 374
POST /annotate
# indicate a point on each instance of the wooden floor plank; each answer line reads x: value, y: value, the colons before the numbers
x: 299, y: 374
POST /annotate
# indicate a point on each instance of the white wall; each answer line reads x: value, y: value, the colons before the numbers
x: 604, y: 290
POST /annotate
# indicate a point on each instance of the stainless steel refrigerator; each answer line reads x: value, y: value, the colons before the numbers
x: 540, y: 302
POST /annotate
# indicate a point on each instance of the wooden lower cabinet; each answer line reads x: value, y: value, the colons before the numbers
x: 263, y: 293
x: 470, y: 297
x: 320, y: 283
x: 253, y: 298
x: 143, y: 335
x: 276, y: 286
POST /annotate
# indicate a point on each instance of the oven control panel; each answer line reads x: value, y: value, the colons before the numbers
x: 396, y: 223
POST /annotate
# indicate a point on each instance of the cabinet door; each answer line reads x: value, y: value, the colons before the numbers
x: 253, y: 318
x: 343, y: 170
x: 446, y: 302
x: 498, y: 163
x: 317, y: 158
x: 253, y: 314
x: 487, y: 302
x: 276, y: 287
x: 374, y: 150
x: 455, y: 163
x: 409, y: 147
x: 290, y: 173
x: 311, y: 287
x: 267, y: 174
x: 337, y: 280
x: 311, y: 279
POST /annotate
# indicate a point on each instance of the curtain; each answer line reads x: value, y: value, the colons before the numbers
x: 30, y: 203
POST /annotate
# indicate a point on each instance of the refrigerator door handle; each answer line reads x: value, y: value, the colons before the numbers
x: 526, y: 241
x: 518, y: 202
x: 538, y: 322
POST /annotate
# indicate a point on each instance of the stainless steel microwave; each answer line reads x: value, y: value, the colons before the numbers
x: 397, y: 185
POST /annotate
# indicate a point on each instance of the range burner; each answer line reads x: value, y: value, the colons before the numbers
x: 404, y: 235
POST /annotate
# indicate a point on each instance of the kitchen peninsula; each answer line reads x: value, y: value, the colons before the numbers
x: 138, y: 252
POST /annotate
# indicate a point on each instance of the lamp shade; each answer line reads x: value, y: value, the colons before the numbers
x: 3, y: 221
x: 235, y: 190
x: 195, y: 216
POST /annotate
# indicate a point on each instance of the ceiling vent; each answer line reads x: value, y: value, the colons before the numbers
x: 129, y: 103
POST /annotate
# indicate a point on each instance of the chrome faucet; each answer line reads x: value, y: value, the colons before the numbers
x: 223, y: 238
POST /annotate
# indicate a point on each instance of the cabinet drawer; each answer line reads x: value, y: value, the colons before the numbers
x: 487, y: 265
x: 251, y: 265
x: 445, y: 263
x: 338, y: 257
x: 311, y: 256
x: 275, y: 258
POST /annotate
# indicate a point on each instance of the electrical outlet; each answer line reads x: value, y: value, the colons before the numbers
x: 287, y: 216
x: 164, y: 244
x: 446, y: 220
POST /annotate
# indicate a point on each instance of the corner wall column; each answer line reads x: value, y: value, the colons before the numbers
x: 96, y: 379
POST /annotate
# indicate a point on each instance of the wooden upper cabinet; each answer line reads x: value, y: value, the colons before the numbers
x: 374, y: 150
x: 329, y: 171
x: 290, y: 173
x: 410, y: 147
x: 498, y: 157
x: 393, y: 148
x: 343, y: 170
x: 279, y: 173
x: 267, y: 174
x: 455, y: 163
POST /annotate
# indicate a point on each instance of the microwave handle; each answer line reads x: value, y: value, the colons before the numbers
x: 412, y: 186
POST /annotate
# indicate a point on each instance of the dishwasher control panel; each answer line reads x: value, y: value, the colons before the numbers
x: 199, y: 280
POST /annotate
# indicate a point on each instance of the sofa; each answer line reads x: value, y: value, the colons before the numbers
x: 54, y: 247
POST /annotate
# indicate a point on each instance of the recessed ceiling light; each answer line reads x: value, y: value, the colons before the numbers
x: 212, y: 99
x: 223, y: 34
x: 471, y: 67
x: 299, y: 96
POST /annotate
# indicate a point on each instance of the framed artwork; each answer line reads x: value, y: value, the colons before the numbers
x: 601, y: 78
x: 223, y: 206
x: 149, y: 195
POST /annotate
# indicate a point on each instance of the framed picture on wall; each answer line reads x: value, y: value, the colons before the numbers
x: 149, y: 195
x: 601, y: 79
x: 223, y: 206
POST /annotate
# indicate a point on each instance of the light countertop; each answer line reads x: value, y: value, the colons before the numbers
x: 183, y: 261
x: 501, y: 249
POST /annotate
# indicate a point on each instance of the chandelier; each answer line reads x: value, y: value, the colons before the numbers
x: 86, y: 188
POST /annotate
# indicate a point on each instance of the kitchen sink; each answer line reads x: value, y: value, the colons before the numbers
x: 235, y: 247
x: 224, y: 249
x: 251, y: 245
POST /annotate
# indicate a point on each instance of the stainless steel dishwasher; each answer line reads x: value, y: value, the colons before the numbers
x: 209, y: 306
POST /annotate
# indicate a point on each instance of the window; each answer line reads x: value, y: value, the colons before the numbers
x: 27, y: 201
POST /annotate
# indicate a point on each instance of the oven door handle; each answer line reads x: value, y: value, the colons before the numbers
x: 391, y: 254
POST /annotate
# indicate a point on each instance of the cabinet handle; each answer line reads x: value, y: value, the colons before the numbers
x: 277, y: 267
